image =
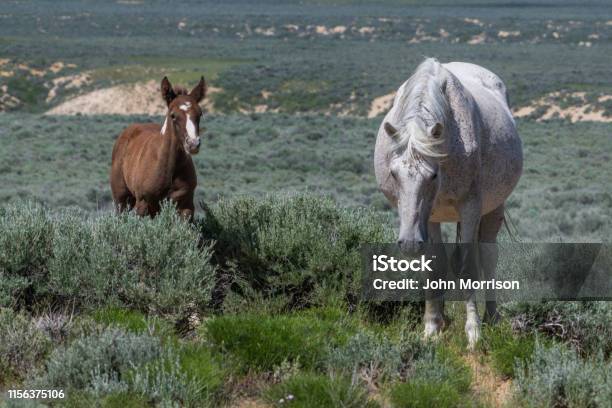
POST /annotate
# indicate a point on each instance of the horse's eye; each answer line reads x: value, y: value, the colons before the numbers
x: 434, y: 176
x: 173, y: 115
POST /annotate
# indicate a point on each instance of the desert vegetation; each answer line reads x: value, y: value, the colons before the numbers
x: 108, y: 320
x: 257, y: 303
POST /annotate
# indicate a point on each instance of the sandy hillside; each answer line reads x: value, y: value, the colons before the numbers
x: 130, y: 99
x: 578, y: 109
x: 144, y: 99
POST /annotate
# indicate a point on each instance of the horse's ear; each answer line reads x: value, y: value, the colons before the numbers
x: 391, y: 131
x: 199, y: 92
x: 436, y: 130
x: 167, y: 91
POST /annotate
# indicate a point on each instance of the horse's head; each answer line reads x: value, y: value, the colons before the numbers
x: 414, y: 168
x: 184, y: 113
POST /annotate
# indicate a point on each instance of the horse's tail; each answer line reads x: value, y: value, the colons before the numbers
x: 513, y: 232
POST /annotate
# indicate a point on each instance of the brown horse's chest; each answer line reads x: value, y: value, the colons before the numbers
x: 156, y: 183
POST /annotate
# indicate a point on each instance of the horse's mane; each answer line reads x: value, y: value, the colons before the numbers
x: 421, y: 103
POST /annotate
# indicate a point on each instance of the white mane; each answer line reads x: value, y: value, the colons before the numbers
x: 421, y: 103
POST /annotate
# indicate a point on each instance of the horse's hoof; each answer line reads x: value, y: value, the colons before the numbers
x: 433, y: 327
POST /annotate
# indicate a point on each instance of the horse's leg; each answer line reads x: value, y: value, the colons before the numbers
x: 142, y: 207
x: 470, y: 220
x: 131, y: 201
x: 184, y: 203
x: 434, y: 303
x: 154, y: 209
x: 185, y: 207
x: 122, y: 197
x: 490, y: 224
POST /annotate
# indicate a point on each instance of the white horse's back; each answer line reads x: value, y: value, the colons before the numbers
x: 500, y: 143
x: 479, y: 79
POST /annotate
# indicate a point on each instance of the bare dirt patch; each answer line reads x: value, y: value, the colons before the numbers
x: 69, y: 82
x: 574, y: 106
x: 507, y: 34
x: 381, y: 105
x: 249, y: 403
x: 59, y: 65
x: 141, y: 98
x: 487, y: 385
x: 474, y: 21
x: 478, y: 39
x: 7, y: 101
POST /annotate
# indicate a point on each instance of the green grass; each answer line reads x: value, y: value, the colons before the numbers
x: 316, y: 390
x: 131, y: 320
x: 180, y: 71
x: 263, y: 342
x: 423, y: 394
x: 439, y: 378
x: 199, y: 364
x: 507, y: 349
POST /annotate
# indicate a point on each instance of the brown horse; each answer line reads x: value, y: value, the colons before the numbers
x: 151, y: 162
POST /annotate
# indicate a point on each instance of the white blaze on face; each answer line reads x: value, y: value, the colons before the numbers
x: 185, y: 107
x: 163, y: 129
x: 192, y: 135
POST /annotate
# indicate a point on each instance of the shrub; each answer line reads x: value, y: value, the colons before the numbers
x: 77, y: 399
x: 99, y: 361
x: 188, y: 375
x: 506, y: 348
x: 25, y: 246
x: 162, y: 381
x: 586, y: 326
x: 423, y: 394
x: 438, y: 378
x: 302, y: 246
x: 443, y: 367
x: 314, y: 390
x: 556, y: 376
x: 56, y: 325
x: 262, y: 342
x: 375, y: 358
x: 69, y: 257
x: 22, y: 345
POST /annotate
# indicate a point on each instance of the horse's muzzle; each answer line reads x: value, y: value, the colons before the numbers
x: 411, y: 247
x: 194, y: 147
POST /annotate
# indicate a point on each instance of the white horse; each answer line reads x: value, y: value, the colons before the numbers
x: 448, y: 151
